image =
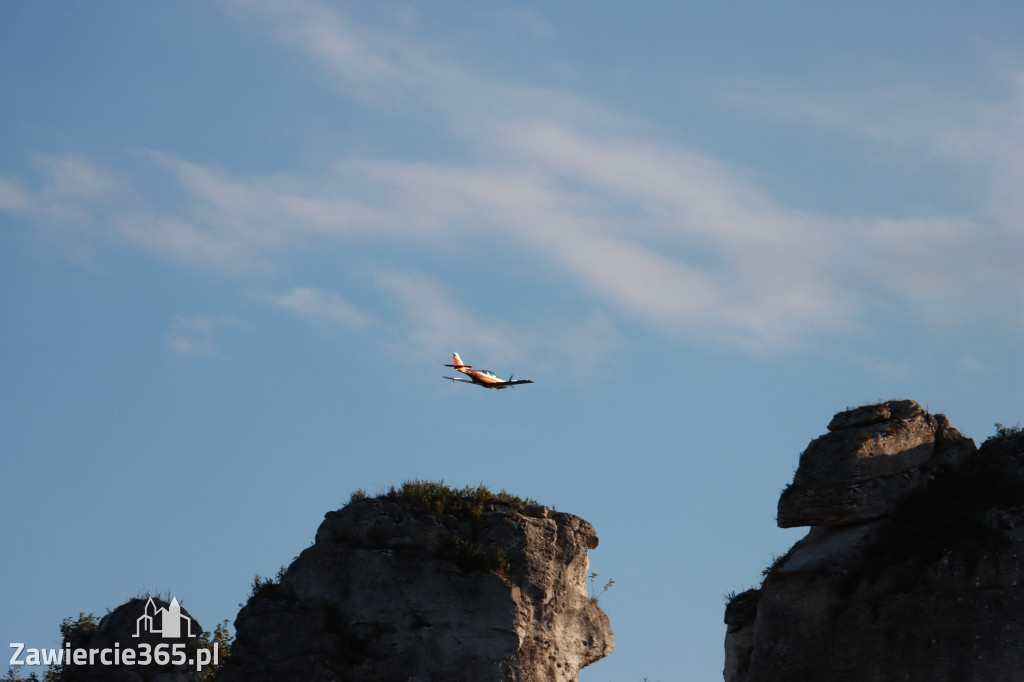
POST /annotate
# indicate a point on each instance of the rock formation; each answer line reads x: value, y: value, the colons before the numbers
x: 913, y: 568
x: 398, y: 591
x: 872, y: 457
x: 131, y: 635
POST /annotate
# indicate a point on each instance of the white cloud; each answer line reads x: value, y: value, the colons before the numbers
x: 75, y: 177
x: 238, y: 223
x: 13, y: 198
x: 319, y: 304
x: 434, y: 323
x: 197, y: 336
x: 658, y: 231
x: 766, y: 281
x: 982, y: 135
x: 66, y: 200
x: 652, y: 231
x: 68, y: 190
x: 947, y: 267
x: 369, y: 64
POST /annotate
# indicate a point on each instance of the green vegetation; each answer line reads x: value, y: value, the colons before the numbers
x: 453, y: 508
x: 469, y: 556
x: 444, y: 501
x: 1004, y: 431
x: 268, y: 588
x: 87, y: 622
x: 777, y: 560
x: 222, y: 638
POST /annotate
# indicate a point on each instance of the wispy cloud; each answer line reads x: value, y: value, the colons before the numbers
x: 73, y: 177
x: 370, y: 64
x: 659, y: 231
x: 241, y: 223
x: 725, y: 263
x: 197, y: 336
x: 982, y: 134
x: 13, y: 198
x: 66, y: 196
x: 64, y: 188
x: 435, y: 320
x: 650, y: 231
x: 946, y: 266
x: 319, y: 304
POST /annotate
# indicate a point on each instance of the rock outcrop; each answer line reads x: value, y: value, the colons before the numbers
x: 913, y: 568
x: 392, y: 591
x: 133, y: 639
x: 872, y: 457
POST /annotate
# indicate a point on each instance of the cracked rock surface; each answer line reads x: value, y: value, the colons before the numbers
x: 872, y: 457
x: 391, y: 593
x: 913, y: 568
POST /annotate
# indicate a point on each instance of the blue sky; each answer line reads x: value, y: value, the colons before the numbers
x: 238, y: 239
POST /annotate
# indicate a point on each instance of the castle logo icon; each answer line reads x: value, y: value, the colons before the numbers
x: 166, y: 622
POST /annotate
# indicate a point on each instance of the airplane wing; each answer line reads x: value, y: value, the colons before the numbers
x: 465, y: 381
x: 504, y: 384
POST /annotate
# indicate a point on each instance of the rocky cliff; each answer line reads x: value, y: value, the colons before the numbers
x: 913, y: 568
x: 442, y: 585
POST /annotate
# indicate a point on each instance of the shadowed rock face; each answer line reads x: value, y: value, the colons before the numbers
x: 390, y: 593
x: 118, y: 630
x: 872, y: 457
x: 928, y: 586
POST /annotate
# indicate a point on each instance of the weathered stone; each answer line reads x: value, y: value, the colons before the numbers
x: 871, y: 414
x: 381, y: 596
x: 930, y: 592
x: 870, y: 460
x: 740, y: 615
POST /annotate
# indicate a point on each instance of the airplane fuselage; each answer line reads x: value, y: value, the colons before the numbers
x: 482, y: 377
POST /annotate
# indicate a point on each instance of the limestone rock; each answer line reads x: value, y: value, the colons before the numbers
x: 117, y: 631
x: 392, y: 593
x: 930, y: 591
x: 872, y: 457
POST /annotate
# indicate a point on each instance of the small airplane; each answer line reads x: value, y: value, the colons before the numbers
x: 482, y: 377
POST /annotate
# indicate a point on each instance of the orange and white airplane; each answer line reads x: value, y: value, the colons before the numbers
x: 482, y: 377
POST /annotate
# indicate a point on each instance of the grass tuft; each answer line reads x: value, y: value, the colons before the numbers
x: 443, y: 501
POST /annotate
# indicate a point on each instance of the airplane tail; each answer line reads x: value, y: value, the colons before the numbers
x: 457, y: 360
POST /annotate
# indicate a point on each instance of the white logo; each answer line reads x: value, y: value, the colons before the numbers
x: 165, y: 622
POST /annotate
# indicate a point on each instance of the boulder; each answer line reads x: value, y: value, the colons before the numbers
x: 871, y: 458
x: 141, y: 626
